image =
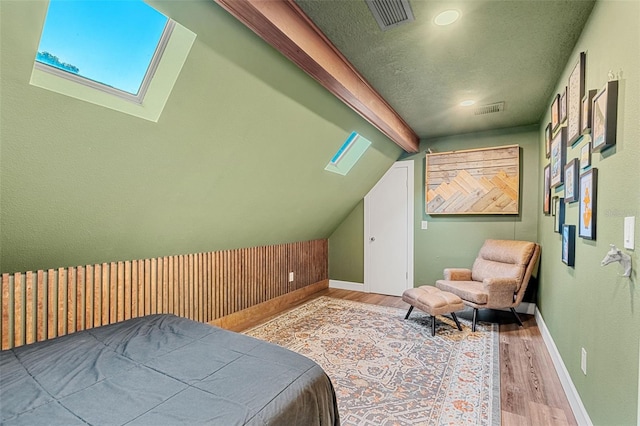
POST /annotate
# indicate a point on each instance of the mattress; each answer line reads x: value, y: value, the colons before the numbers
x: 162, y: 370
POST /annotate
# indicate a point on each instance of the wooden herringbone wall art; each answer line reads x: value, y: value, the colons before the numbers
x: 477, y: 181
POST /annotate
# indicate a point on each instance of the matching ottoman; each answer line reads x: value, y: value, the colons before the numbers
x: 434, y: 302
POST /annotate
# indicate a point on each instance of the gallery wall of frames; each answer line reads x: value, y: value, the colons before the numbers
x: 584, y: 118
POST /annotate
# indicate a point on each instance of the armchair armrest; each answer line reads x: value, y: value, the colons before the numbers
x: 500, y: 290
x: 457, y: 274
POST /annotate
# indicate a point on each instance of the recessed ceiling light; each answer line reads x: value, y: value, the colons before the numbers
x: 447, y: 17
x: 467, y: 103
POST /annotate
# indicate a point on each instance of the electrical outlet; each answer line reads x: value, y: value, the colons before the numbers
x: 583, y: 361
x: 425, y: 224
x: 290, y: 277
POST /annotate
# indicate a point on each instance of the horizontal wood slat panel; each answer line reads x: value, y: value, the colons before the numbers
x: 203, y: 286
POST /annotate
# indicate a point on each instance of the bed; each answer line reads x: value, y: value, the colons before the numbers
x: 162, y: 370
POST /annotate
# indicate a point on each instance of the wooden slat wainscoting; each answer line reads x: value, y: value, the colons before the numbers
x: 41, y: 305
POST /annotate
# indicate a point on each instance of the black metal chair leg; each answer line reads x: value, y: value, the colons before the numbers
x: 475, y: 315
x: 515, y: 314
x: 409, y: 312
x: 433, y: 325
x: 455, y: 318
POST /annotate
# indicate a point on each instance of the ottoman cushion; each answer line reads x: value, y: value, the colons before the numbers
x: 432, y: 300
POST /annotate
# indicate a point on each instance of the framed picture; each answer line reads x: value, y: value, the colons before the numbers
x: 487, y: 181
x: 588, y: 203
x: 571, y: 181
x: 555, y: 113
x: 604, y: 110
x: 546, y: 188
x: 558, y: 214
x: 569, y: 244
x: 558, y: 153
x: 585, y: 126
x: 575, y: 94
x: 547, y: 141
x: 563, y: 105
x: 585, y: 155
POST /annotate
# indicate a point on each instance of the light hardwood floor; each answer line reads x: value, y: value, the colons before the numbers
x: 530, y: 390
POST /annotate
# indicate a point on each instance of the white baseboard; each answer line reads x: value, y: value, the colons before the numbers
x: 580, y: 413
x: 346, y: 285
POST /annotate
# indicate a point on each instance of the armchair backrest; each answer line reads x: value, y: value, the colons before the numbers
x: 507, y: 259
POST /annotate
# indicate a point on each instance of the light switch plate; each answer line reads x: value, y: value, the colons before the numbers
x: 629, y: 232
x: 425, y: 224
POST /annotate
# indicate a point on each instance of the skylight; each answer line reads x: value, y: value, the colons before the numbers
x: 120, y: 54
x: 348, y: 154
x: 107, y: 42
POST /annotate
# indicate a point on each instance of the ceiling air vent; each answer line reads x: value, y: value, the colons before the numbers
x: 390, y: 13
x: 489, y: 109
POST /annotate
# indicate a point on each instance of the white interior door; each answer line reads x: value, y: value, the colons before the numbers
x: 389, y: 232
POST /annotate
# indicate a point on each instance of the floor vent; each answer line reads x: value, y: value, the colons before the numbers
x: 489, y: 109
x: 390, y: 13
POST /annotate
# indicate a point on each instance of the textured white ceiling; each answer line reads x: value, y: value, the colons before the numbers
x: 512, y: 51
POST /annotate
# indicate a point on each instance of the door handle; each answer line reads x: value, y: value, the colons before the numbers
x: 372, y: 239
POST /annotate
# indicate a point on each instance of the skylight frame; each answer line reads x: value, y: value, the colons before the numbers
x: 146, y: 81
x: 161, y: 85
x: 344, y: 149
x: 351, y: 150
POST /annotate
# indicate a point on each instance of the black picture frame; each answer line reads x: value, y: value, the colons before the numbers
x: 575, y: 94
x: 588, y: 204
x: 555, y: 113
x: 558, y: 214
x: 546, y: 189
x: 569, y: 244
x: 585, y: 122
x: 604, y: 117
x: 563, y: 106
x: 558, y: 158
x: 571, y: 181
x: 547, y: 140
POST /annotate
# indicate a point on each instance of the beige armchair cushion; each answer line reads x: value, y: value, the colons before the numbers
x: 472, y: 291
x: 507, y: 251
x: 501, y: 291
x: 503, y: 258
x: 457, y: 274
x: 483, y: 269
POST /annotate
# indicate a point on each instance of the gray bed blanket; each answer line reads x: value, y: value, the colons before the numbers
x: 162, y: 370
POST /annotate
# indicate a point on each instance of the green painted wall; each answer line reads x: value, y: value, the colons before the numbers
x: 449, y: 240
x: 346, y: 249
x: 454, y: 240
x: 235, y: 160
x: 589, y: 306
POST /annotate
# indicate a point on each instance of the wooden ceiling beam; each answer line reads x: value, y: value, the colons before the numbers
x: 282, y: 24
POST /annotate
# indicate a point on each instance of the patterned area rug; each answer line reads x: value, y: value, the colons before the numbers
x: 390, y: 371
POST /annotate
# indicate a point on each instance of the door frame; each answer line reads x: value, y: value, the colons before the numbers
x: 409, y: 166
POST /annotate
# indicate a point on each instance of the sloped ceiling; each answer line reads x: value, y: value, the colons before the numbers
x: 498, y: 51
x: 236, y: 159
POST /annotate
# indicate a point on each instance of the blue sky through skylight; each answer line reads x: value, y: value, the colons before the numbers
x: 111, y: 42
x: 348, y: 154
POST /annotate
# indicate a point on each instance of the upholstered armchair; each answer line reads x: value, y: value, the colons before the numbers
x: 498, y: 278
